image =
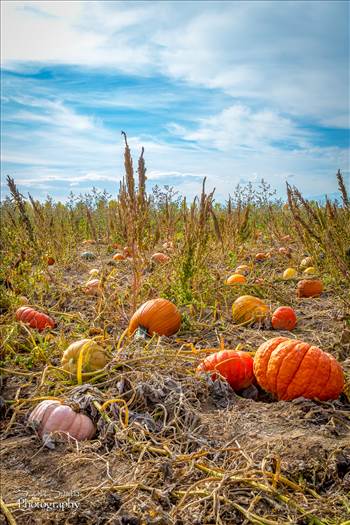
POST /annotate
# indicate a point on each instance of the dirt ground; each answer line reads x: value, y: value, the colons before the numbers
x: 194, y: 452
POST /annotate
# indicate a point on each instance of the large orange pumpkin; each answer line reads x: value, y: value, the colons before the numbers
x: 309, y: 288
x: 289, y: 368
x: 157, y: 316
x: 248, y: 309
x: 34, y: 318
x: 235, y: 366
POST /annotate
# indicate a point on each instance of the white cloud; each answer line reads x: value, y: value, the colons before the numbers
x: 286, y: 55
x: 238, y: 127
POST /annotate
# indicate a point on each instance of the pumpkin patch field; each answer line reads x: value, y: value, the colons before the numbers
x: 173, y: 362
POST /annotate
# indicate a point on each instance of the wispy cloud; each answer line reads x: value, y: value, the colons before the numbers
x: 228, y: 90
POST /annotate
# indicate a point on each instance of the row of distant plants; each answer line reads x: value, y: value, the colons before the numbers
x: 206, y: 235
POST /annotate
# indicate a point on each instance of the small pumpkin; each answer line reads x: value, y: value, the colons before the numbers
x: 289, y: 273
x: 289, y: 368
x: 235, y: 366
x: 306, y: 262
x: 160, y: 257
x: 34, y: 318
x: 236, y: 278
x: 94, y: 272
x: 89, y: 241
x: 156, y: 316
x: 284, y: 318
x: 249, y: 309
x: 284, y: 251
x: 168, y: 245
x: 261, y: 256
x: 309, y: 288
x: 119, y: 257
x: 93, y: 287
x: 94, y: 357
x: 243, y: 269
x: 311, y: 270
x: 286, y: 238
x: 88, y: 256
x: 54, y: 417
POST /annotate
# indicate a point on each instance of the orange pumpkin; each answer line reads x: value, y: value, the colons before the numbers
x: 236, y: 278
x: 119, y: 257
x: 235, y: 366
x: 284, y: 318
x: 309, y: 288
x: 289, y: 368
x: 248, y: 309
x: 160, y: 257
x: 34, y: 318
x: 261, y: 256
x: 157, y: 316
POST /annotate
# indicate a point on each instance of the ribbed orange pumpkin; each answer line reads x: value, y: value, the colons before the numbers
x: 289, y: 368
x: 157, y: 316
x: 248, y: 309
x: 236, y: 278
x: 284, y: 318
x: 235, y: 366
x: 309, y: 288
x: 160, y: 257
x: 34, y: 318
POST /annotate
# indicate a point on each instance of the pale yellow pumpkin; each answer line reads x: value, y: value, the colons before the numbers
x: 249, y: 309
x: 94, y: 357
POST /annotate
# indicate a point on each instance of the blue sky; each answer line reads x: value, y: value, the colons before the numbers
x: 234, y: 91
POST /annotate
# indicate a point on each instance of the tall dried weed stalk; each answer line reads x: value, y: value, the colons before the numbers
x: 324, y: 230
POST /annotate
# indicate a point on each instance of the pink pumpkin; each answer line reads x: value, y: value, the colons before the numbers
x: 53, y: 416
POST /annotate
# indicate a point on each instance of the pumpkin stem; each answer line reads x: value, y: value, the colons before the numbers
x: 141, y: 333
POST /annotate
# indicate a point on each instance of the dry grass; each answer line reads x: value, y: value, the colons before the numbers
x: 171, y: 447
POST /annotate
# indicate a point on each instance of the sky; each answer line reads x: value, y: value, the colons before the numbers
x: 234, y: 91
